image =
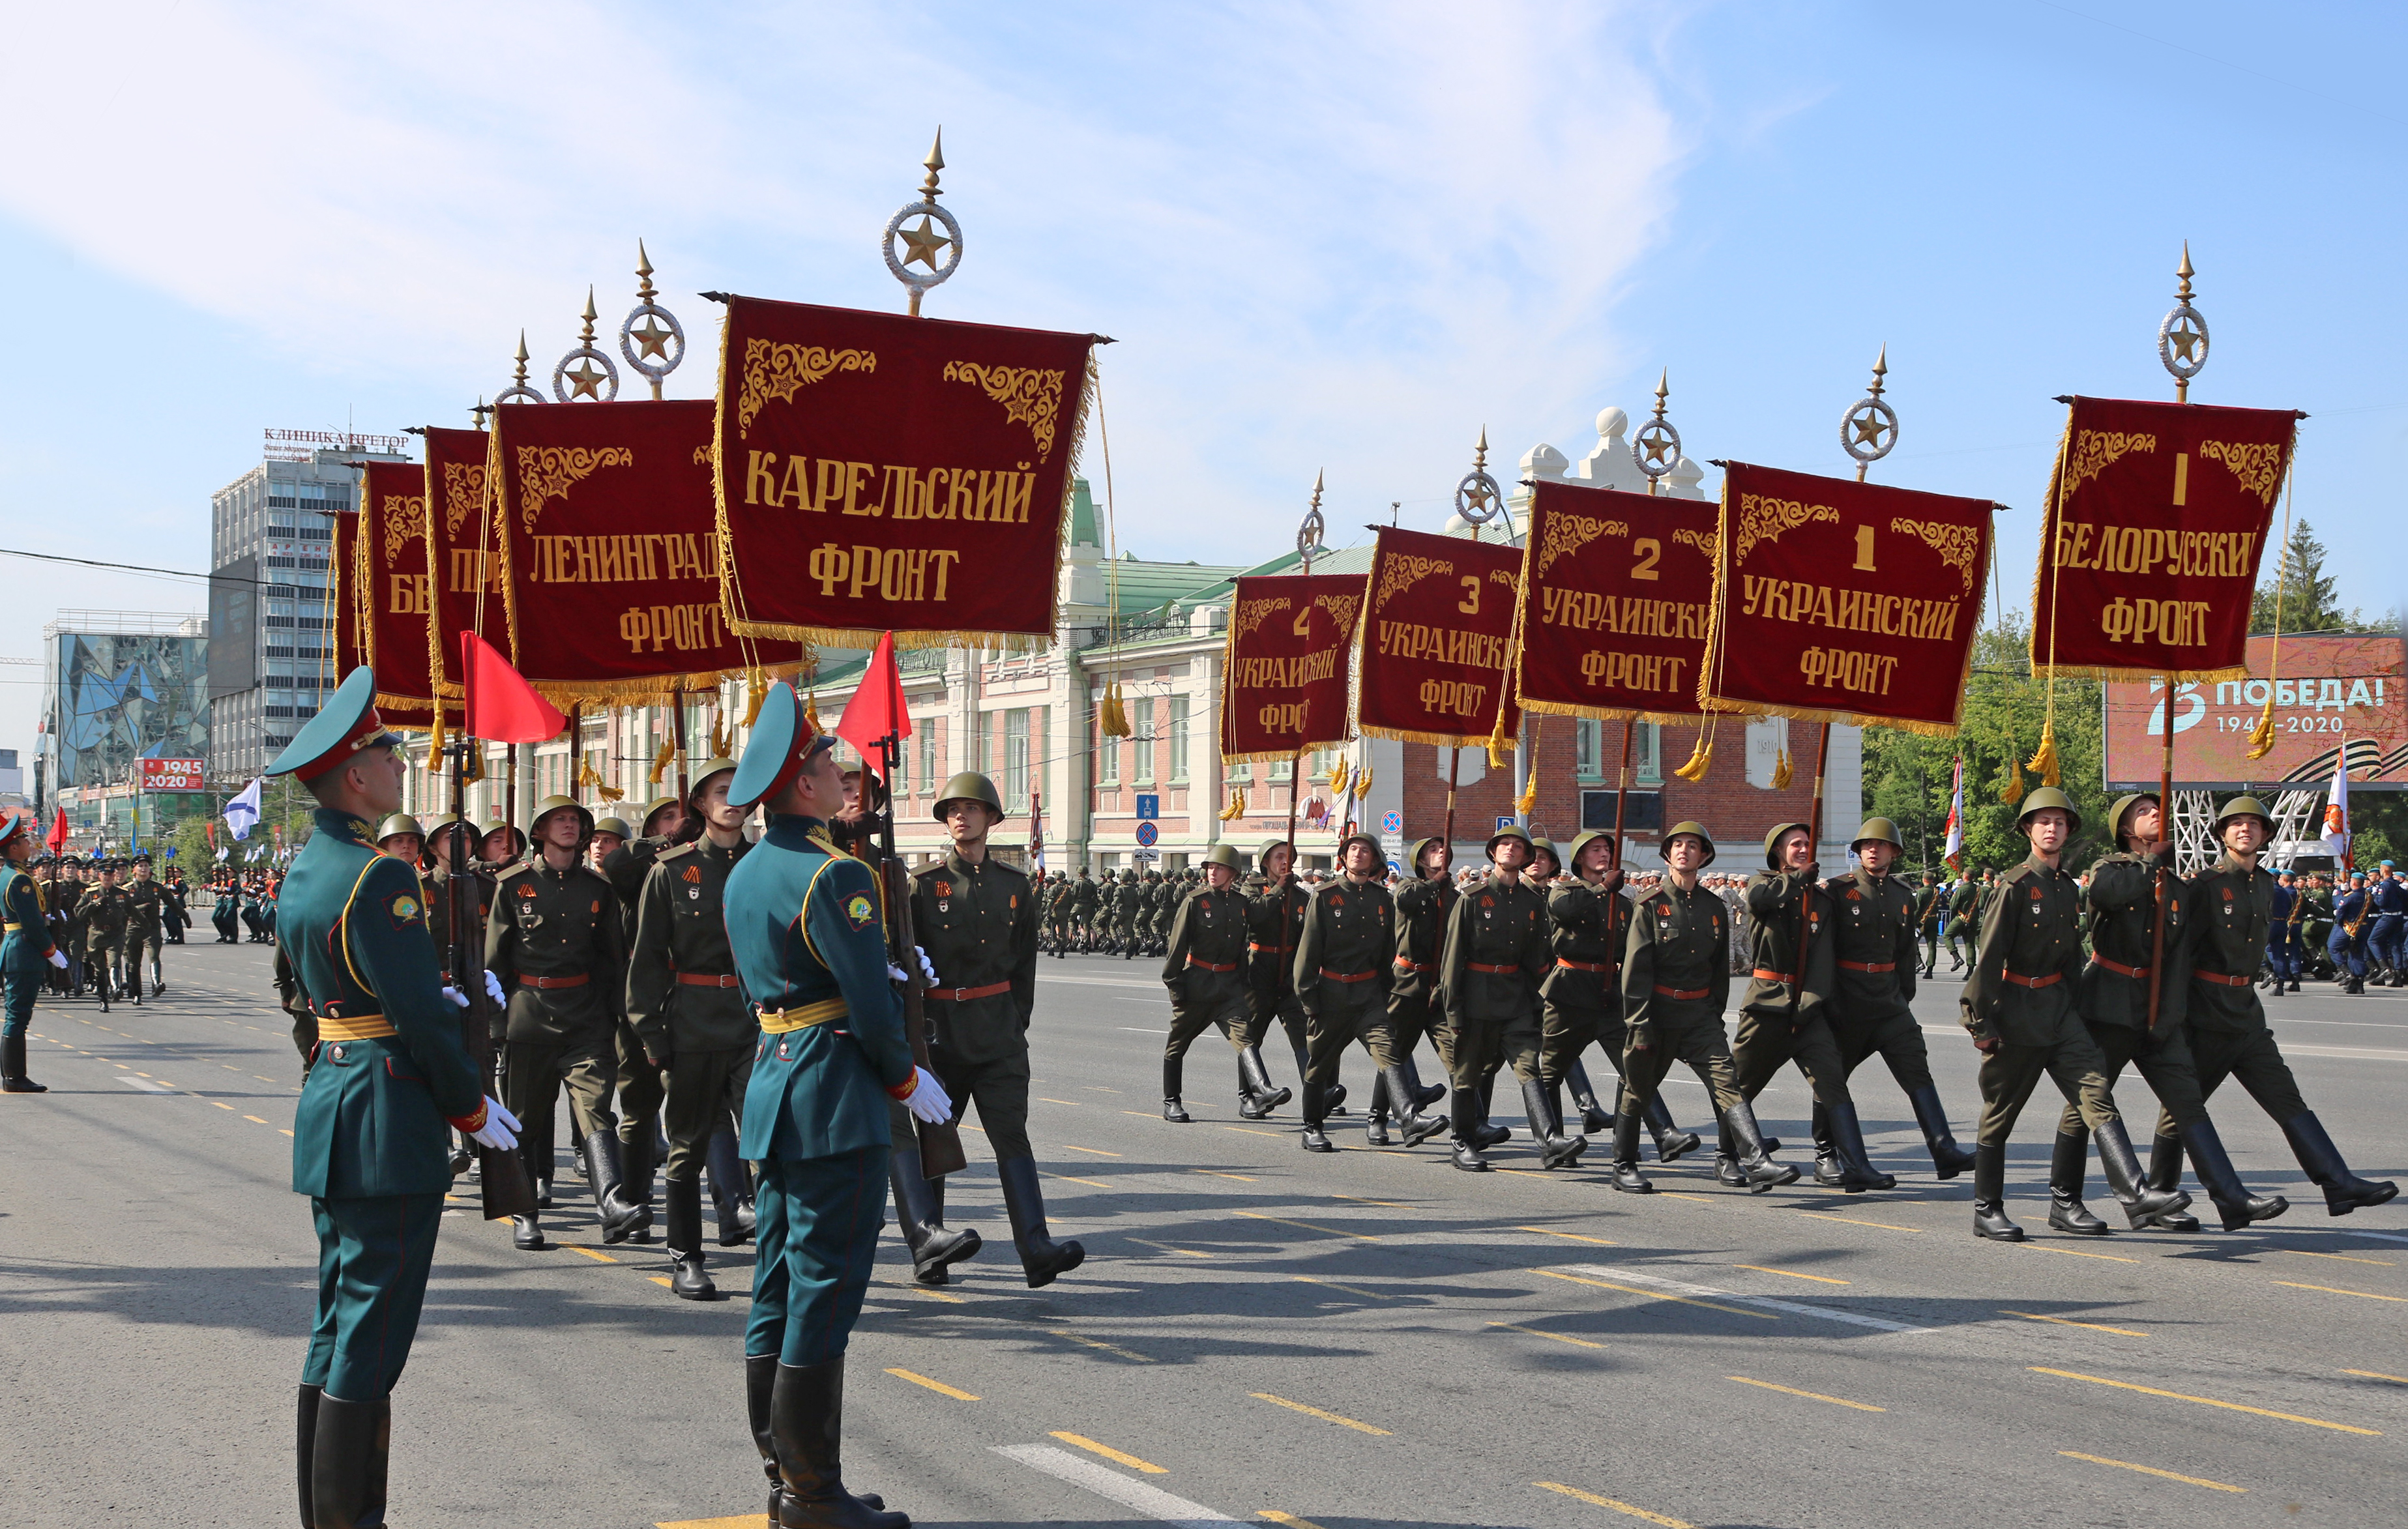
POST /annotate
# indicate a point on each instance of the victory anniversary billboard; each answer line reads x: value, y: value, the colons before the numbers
x: 2333, y: 691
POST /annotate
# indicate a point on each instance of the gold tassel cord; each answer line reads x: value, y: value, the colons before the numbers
x: 1363, y: 783
x: 2011, y: 788
x: 1113, y: 717
x: 1237, y: 808
x: 661, y: 760
x: 1782, y: 772
x: 2044, y: 763
x: 434, y: 737
x: 613, y: 793
x: 2262, y: 738
x: 721, y: 742
x: 756, y: 686
x: 1337, y: 777
x: 587, y: 777
x: 1701, y: 758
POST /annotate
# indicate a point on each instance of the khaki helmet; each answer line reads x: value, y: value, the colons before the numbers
x: 1879, y: 830
x: 2123, y: 805
x: 1421, y: 847
x: 615, y: 825
x: 1695, y: 830
x: 658, y: 803
x: 1542, y: 845
x: 496, y: 826
x: 1379, y: 856
x: 702, y: 774
x: 399, y: 823
x: 2044, y: 797
x: 1772, y: 842
x: 551, y: 805
x: 971, y: 786
x: 1224, y: 854
x: 2246, y: 805
x: 1263, y: 855
x: 1583, y: 840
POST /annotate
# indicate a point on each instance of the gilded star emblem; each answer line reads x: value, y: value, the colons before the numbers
x: 1869, y: 427
x: 1655, y: 444
x: 921, y: 243
x: 2184, y: 339
x: 586, y: 380
x: 650, y: 338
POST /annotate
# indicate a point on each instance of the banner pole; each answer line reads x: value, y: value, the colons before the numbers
x: 2157, y: 878
x: 1622, y: 787
x: 576, y: 749
x: 677, y: 716
x: 1453, y: 758
x: 1295, y: 769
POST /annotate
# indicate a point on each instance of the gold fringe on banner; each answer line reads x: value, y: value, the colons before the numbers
x: 2262, y: 738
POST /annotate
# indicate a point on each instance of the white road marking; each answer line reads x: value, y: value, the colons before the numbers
x: 146, y: 1085
x: 1828, y: 1313
x: 1152, y: 1502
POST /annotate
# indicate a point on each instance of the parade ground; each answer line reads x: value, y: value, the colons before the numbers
x: 1257, y: 1335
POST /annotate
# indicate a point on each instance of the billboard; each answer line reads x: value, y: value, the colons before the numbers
x: 120, y: 698
x: 234, y: 610
x: 2336, y: 690
x: 171, y: 775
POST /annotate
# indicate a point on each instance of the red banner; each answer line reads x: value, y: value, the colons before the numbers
x: 1615, y: 604
x: 172, y: 775
x: 2156, y: 519
x: 394, y: 587
x: 1284, y: 677
x: 1844, y: 602
x: 1436, y: 641
x: 346, y: 575
x: 882, y: 473
x: 609, y: 567
x: 460, y: 549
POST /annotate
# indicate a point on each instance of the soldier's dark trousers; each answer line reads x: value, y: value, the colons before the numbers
x: 1931, y: 951
x: 641, y: 1089
x: 137, y: 946
x: 373, y: 1255
x: 1000, y: 1089
x: 535, y: 1073
x: 1766, y: 1042
x: 1700, y: 1043
x: 1568, y: 1030
x: 2164, y: 1061
x: 1207, y: 1003
x: 2009, y: 1073
x: 1475, y: 1050
x: 2249, y: 1058
x: 1898, y: 1038
x: 1345, y: 1021
x: 816, y: 1245
x: 705, y: 1095
x: 17, y: 1008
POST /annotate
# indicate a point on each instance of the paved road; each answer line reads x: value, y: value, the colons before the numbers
x: 1260, y: 1335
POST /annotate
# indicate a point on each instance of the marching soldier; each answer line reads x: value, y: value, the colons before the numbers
x: 368, y: 1144
x: 2283, y: 945
x: 608, y: 834
x: 1496, y: 956
x: 1963, y: 927
x: 554, y: 942
x: 641, y: 1089
x: 1204, y: 970
x: 2114, y: 1002
x: 692, y: 1026
x: 107, y: 914
x: 2233, y: 903
x: 1423, y: 905
x: 1058, y: 913
x: 1346, y: 964
x: 1590, y: 922
x: 225, y: 915
x: 2019, y: 1004
x: 174, y: 917
x: 1675, y: 980
x: 75, y: 922
x: 28, y: 952
x: 1930, y: 907
x: 1274, y: 918
x: 1129, y: 906
x: 145, y: 909
x: 810, y: 950
x: 1084, y: 899
x: 1871, y: 1008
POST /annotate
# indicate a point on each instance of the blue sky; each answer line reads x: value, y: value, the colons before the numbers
x: 1340, y: 237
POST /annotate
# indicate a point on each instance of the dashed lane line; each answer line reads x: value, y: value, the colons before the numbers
x: 1113, y: 1348
x: 1809, y: 1396
x: 2152, y: 1470
x: 1326, y: 1231
x: 1769, y: 1303
x: 1138, y: 1497
x: 1666, y: 1521
x: 1654, y: 1294
x: 1792, y: 1273
x: 1116, y: 1456
x: 938, y: 1386
x: 2068, y: 1322
x: 1309, y: 1411
x: 2208, y: 1401
x: 1540, y: 1332
x: 2336, y: 1289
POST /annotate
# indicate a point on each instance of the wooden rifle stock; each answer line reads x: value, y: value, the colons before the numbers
x: 501, y: 1176
x: 940, y: 1141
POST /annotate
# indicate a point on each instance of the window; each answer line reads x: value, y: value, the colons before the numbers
x: 1646, y: 755
x: 1016, y: 760
x: 1588, y: 749
x: 1178, y: 738
x: 928, y: 750
x: 1283, y: 768
x: 1142, y: 737
x: 902, y: 782
x: 1108, y: 759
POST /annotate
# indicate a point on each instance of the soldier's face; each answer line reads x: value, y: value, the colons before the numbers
x: 604, y: 844
x: 716, y: 809
x: 1877, y: 856
x: 2144, y: 823
x: 1217, y: 876
x: 969, y: 820
x: 403, y: 847
x: 1684, y: 854
x: 2245, y: 836
x: 1510, y: 854
x: 1435, y: 861
x: 1275, y: 863
x: 2047, y: 829
x: 1797, y: 850
x: 1361, y: 859
x: 1596, y: 859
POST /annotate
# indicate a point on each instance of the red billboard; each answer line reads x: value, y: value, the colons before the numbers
x: 2334, y: 691
x: 171, y: 775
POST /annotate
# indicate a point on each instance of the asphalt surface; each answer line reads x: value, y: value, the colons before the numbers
x: 1259, y: 1335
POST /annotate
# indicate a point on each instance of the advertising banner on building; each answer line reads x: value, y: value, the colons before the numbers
x: 2331, y: 693
x: 1284, y: 678
x: 1615, y: 603
x: 172, y: 775
x: 1437, y: 635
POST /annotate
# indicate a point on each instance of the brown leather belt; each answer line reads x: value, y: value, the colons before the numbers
x: 1492, y: 971
x: 1211, y: 965
x: 1405, y: 965
x: 1683, y: 993
x: 963, y: 995
x: 1347, y: 977
x: 2020, y: 980
x: 1869, y: 965
x: 1603, y: 968
x: 549, y: 982
x: 2119, y: 968
x: 2220, y: 979
x: 709, y: 979
x: 1763, y: 976
x: 1268, y: 949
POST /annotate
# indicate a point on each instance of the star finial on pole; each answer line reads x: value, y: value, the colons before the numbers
x: 1869, y: 430
x: 2181, y: 338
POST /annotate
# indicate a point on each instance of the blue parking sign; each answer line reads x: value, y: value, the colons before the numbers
x: 1149, y: 805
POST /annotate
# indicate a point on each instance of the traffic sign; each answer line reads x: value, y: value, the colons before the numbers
x: 1504, y: 824
x: 1147, y: 833
x: 1149, y: 805
x: 1392, y: 823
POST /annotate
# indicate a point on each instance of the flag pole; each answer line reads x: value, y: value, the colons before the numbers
x: 2181, y: 330
x: 502, y: 1175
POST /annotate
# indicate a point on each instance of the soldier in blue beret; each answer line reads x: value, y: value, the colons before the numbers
x: 387, y: 1072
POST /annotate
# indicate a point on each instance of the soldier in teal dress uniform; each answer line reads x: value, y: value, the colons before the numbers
x: 810, y: 944
x: 26, y: 954
x: 389, y: 1071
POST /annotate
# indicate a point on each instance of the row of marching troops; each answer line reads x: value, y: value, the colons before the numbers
x: 1127, y: 916
x: 243, y: 901
x: 109, y: 917
x: 1528, y: 967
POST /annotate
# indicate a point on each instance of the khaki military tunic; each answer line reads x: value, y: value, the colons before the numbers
x: 1423, y: 908
x: 1346, y: 964
x: 1497, y: 954
x: 2231, y: 909
x: 2120, y: 908
x: 1875, y: 926
x: 1588, y: 930
x: 1204, y: 971
x: 1675, y: 980
x: 684, y: 1004
x: 1274, y: 922
x: 1783, y: 1017
x: 555, y: 940
x: 979, y: 925
x: 2021, y: 995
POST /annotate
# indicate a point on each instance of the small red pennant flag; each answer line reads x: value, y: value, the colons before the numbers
x: 501, y: 706
x: 877, y: 707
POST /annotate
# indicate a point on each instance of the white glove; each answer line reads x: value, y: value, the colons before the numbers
x: 493, y: 991
x: 928, y: 1101
x: 926, y: 964
x: 501, y: 1129
x: 897, y: 974
x: 59, y: 959
x: 456, y: 997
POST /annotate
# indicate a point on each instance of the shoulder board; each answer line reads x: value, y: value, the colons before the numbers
x: 519, y: 869
x: 587, y: 867
x: 994, y: 865
x: 926, y: 871
x: 668, y: 855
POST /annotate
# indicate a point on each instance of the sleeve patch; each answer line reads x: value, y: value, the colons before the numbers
x: 860, y: 910
x: 403, y: 908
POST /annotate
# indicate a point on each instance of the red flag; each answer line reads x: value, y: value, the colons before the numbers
x: 502, y: 706
x: 57, y: 837
x: 877, y: 707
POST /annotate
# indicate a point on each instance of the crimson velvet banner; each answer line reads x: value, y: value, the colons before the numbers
x: 878, y: 473
x: 1436, y: 641
x: 461, y: 552
x: 1844, y: 602
x: 1615, y: 604
x: 2156, y: 520
x: 344, y: 574
x: 394, y: 589
x: 610, y: 565
x: 1284, y: 677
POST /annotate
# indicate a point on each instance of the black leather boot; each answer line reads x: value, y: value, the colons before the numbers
x: 730, y: 1184
x: 1671, y: 1143
x: 1316, y: 1111
x: 2344, y: 1191
x: 2067, y: 1164
x: 1042, y: 1260
x: 760, y: 1380
x: 1827, y: 1156
x: 2124, y: 1176
x: 1261, y: 1095
x: 1172, y: 1111
x: 1627, y: 1177
x: 1556, y: 1149
x: 687, y: 1280
x: 305, y: 1451
x: 526, y: 1234
x: 1375, y: 1114
x: 637, y: 1165
x: 342, y: 1463
x: 806, y: 1435
x: 1856, y: 1171
x: 1747, y: 1142
x: 2165, y: 1172
x: 12, y: 1068
x: 603, y: 1176
x: 1336, y: 1101
x: 1466, y: 1113
x: 1948, y: 1160
x: 380, y: 1462
x: 920, y: 1212
x: 1423, y: 1096
x: 1490, y: 1134
x: 1990, y: 1195
x: 1418, y: 1124
x: 1596, y: 1119
x: 2233, y: 1201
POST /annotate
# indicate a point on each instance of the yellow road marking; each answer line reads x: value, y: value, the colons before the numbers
x: 1540, y: 1332
x: 1110, y: 1453
x: 2077, y: 1252
x: 1051, y: 1100
x: 284, y: 1132
x: 2150, y: 1470
x: 596, y: 1257
x: 661, y: 1279
x: 1098, y: 1088
x: 2303, y: 1253
x: 1217, y: 1174
x: 1330, y: 1230
x: 1148, y: 1242
x: 1392, y: 1204
x: 1288, y: 1519
x: 1568, y: 1237
x: 141, y: 1075
x: 1316, y: 1412
x: 1657, y: 1295
x: 917, y: 1288
x: 1852, y: 1221
x: 220, y: 1104
x: 1669, y: 1195
x: 2068, y: 1321
x: 741, y: 1520
x: 1098, y: 1151
x: 2378, y: 1375
x: 1367, y: 1295
x: 1140, y: 1114
x: 2336, y: 1289
x: 2208, y: 1401
x: 1091, y: 1184
x: 938, y: 1386
x: 1252, y: 1132
x: 1819, y: 1278
x: 1099, y: 1343
x: 1664, y: 1519
x: 262, y: 1077
x: 1809, y: 1396
x: 254, y: 1120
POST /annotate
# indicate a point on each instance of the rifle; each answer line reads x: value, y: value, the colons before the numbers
x: 501, y: 1174
x: 940, y: 1141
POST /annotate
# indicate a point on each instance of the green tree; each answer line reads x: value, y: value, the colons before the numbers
x: 2310, y: 601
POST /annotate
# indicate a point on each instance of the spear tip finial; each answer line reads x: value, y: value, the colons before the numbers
x: 643, y: 262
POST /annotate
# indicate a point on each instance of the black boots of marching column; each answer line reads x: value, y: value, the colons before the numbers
x: 2141, y: 1200
x: 1042, y: 1260
x: 687, y: 1280
x: 1408, y: 1104
x: 1948, y: 1160
x: 637, y: 1167
x: 607, y: 1179
x: 1316, y: 1111
x: 731, y: 1190
x: 919, y: 1211
x: 2233, y: 1200
x: 807, y: 1439
x: 1172, y: 1111
x: 1840, y: 1160
x: 1990, y: 1195
x: 345, y: 1446
x: 1470, y: 1124
x: 1541, y: 1104
x: 1625, y: 1176
x: 1256, y: 1095
x: 12, y: 1067
x: 1596, y: 1119
x: 1753, y: 1171
x: 2344, y: 1191
x: 2068, y: 1162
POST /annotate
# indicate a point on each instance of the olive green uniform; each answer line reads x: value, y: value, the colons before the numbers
x: 1588, y: 929
x: 555, y: 940
x: 978, y: 923
x: 146, y: 903
x: 2232, y: 915
x: 1676, y: 982
x: 106, y: 914
x: 641, y: 1088
x: 1784, y: 1016
x: 1346, y: 964
x: 683, y: 1001
x: 1423, y: 907
x: 1929, y: 907
x: 1497, y: 954
x: 2114, y: 998
x: 1274, y: 921
x: 1875, y: 926
x: 1204, y: 970
x: 2021, y: 994
x: 1962, y: 926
